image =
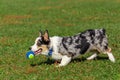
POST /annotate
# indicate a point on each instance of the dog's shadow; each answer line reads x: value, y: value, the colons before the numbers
x: 48, y: 62
x: 51, y: 61
x: 84, y: 59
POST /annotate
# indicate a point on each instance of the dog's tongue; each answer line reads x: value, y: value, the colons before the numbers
x: 38, y: 51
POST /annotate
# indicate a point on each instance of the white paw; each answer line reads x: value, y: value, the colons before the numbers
x: 92, y: 57
x: 111, y: 57
x: 89, y: 59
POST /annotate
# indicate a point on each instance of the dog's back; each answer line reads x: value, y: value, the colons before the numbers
x: 82, y: 42
x: 97, y: 38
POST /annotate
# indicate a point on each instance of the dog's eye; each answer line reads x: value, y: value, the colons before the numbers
x: 38, y: 43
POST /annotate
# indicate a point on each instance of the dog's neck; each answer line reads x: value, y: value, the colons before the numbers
x: 54, y: 43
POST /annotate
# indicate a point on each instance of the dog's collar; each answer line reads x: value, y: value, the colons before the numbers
x: 50, y: 52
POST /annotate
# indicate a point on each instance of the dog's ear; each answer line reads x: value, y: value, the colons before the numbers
x: 46, y: 36
x: 40, y: 33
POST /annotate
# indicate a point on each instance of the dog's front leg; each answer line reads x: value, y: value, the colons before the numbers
x: 65, y: 60
x: 110, y: 55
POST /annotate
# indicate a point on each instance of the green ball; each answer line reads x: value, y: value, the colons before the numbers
x: 31, y: 56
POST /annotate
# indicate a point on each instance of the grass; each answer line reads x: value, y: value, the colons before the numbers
x: 20, y: 21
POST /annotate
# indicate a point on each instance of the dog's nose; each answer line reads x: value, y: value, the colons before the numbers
x: 29, y: 48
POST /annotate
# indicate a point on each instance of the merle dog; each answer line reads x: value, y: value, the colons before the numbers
x: 67, y: 48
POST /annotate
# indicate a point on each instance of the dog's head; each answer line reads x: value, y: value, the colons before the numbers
x: 41, y: 45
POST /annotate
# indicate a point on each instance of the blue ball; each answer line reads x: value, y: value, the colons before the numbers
x: 30, y: 55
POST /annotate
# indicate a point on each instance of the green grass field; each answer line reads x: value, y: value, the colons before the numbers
x: 21, y: 20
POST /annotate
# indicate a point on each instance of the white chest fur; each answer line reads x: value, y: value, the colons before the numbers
x: 57, y: 56
x: 55, y: 41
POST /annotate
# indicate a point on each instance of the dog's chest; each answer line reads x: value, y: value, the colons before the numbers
x: 57, y: 56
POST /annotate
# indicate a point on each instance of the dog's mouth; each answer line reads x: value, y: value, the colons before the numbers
x: 38, y: 51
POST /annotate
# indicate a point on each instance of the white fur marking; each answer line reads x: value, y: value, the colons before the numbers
x: 65, y: 60
x: 54, y: 43
x: 34, y: 47
x: 56, y: 56
x: 92, y: 56
x: 111, y: 57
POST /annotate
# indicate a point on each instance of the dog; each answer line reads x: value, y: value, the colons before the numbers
x: 67, y: 48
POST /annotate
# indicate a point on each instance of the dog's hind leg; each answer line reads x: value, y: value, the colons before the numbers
x: 65, y: 60
x: 110, y: 55
x: 92, y: 56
